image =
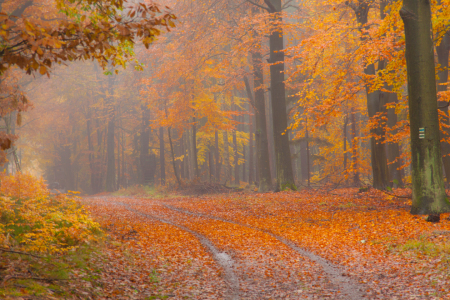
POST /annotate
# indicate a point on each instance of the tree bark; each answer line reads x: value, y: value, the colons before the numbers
x: 345, y: 142
x: 262, y: 146
x: 175, y: 169
x: 227, y: 157
x: 110, y: 138
x: 194, y: 149
x: 428, y: 193
x: 162, y: 160
x: 375, y: 104
x: 356, y: 180
x: 236, y: 159
x: 250, y: 118
x: 393, y: 148
x: 284, y: 175
x: 91, y: 155
x: 216, y: 156
x: 145, y: 169
x: 443, y: 53
x: 251, y: 166
x: 110, y: 164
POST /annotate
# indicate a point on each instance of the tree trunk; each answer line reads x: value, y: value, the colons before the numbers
x: 110, y: 164
x: 284, y: 175
x: 227, y: 157
x: 175, y: 169
x: 443, y: 53
x: 393, y: 148
x: 236, y: 159
x: 345, y: 142
x: 162, y: 160
x: 375, y: 104
x: 91, y: 155
x: 270, y: 140
x: 251, y: 166
x: 146, y: 171
x: 118, y: 161
x: 308, y: 156
x: 183, y: 162
x: 262, y: 146
x: 124, y: 166
x: 250, y: 118
x: 99, y: 166
x: 356, y: 180
x: 194, y: 149
x: 216, y: 156
x: 428, y: 193
x: 190, y: 155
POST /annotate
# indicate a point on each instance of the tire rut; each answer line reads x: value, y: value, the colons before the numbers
x: 348, y: 287
x: 222, y: 258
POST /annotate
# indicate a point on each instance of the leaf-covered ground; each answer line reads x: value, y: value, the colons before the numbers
x: 289, y: 245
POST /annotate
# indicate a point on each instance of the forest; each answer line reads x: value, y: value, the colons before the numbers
x: 218, y: 149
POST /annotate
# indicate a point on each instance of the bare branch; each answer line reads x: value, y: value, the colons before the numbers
x: 19, y: 252
x: 260, y: 6
x: 270, y: 5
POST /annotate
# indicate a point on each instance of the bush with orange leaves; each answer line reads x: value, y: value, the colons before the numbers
x: 33, y: 220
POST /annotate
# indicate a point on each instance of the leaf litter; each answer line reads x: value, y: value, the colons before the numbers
x: 366, y: 241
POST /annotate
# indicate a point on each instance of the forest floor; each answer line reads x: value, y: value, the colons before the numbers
x: 311, y: 244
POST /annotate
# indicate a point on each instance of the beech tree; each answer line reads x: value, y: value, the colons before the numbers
x: 428, y: 190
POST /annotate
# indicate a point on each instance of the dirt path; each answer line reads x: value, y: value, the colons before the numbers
x: 350, y: 289
x: 256, y: 263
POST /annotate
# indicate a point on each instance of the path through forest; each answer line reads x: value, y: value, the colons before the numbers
x: 276, y: 246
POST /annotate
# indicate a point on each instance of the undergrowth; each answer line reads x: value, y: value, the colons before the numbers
x: 49, y: 245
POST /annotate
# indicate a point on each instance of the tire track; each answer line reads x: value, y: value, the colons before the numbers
x: 350, y: 288
x: 222, y: 258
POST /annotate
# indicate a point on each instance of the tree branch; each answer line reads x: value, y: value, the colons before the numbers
x: 19, y: 252
x: 270, y: 5
x: 445, y: 105
x: 17, y: 13
x: 260, y: 6
x: 249, y: 91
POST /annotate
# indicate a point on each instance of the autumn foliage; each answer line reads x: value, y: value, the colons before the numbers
x: 31, y: 219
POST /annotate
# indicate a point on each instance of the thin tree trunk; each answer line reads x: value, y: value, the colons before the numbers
x: 183, y: 162
x: 227, y: 157
x: 111, y: 164
x: 356, y: 181
x: 118, y: 161
x: 251, y: 166
x: 345, y: 142
x: 124, y: 167
x: 394, y: 148
x: 308, y: 156
x: 236, y: 159
x: 162, y: 160
x: 145, y: 170
x: 194, y: 149
x: 175, y: 171
x: 216, y: 156
x: 262, y: 146
x: 270, y: 140
x: 251, y: 130
x: 210, y: 166
x: 91, y: 153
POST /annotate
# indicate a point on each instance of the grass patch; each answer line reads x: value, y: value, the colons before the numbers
x: 428, y: 248
x: 52, y: 275
x: 347, y: 205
